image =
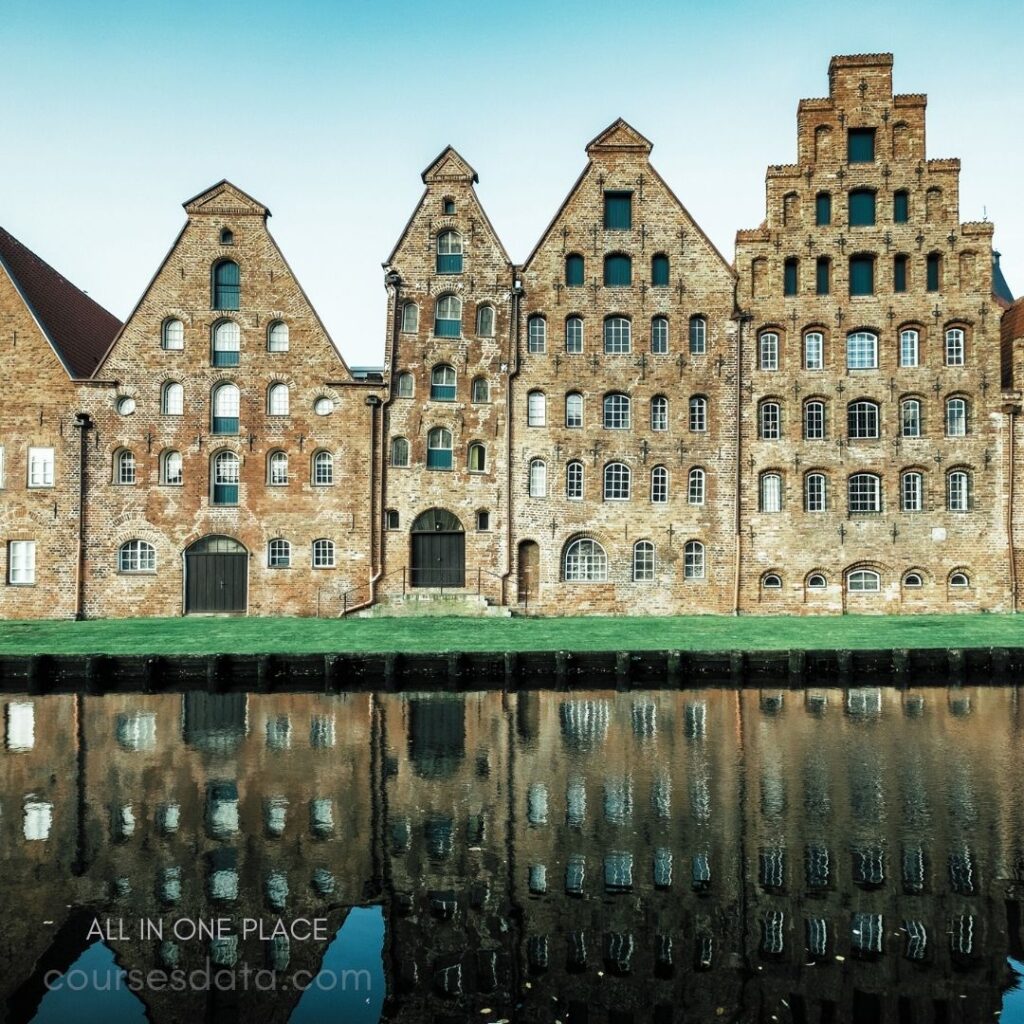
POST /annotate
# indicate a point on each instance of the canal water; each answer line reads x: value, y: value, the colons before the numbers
x: 819, y: 855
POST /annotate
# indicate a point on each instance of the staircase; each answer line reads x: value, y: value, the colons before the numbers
x: 429, y: 602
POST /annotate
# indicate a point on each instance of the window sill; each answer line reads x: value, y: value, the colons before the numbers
x: 277, y: 567
x: 15, y: 583
x: 136, y: 572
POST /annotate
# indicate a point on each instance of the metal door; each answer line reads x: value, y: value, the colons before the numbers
x: 216, y: 576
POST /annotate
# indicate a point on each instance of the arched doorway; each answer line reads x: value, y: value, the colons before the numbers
x: 216, y: 576
x: 438, y: 550
x: 529, y: 571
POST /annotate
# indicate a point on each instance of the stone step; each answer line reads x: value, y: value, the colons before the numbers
x: 435, y: 603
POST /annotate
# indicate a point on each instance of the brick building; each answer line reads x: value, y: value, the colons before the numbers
x: 624, y: 423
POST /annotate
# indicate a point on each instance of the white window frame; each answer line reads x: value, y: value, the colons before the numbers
x: 616, y: 482
x: 585, y: 561
x: 616, y: 411
x: 768, y: 351
x: 814, y: 420
x: 278, y: 399
x: 698, y: 336
x: 770, y: 493
x: 410, y: 318
x: 866, y: 414
x: 574, y: 481
x: 910, y: 347
x: 537, y: 483
x: 574, y: 410
x: 643, y: 562
x: 698, y: 414
x: 910, y: 426
x: 659, y: 485
x: 958, y: 490
x: 172, y: 399
x: 955, y: 346
x: 166, y: 477
x: 618, y: 336
x: 279, y: 553
x: 172, y: 335
x: 816, y: 492
x: 574, y: 335
x: 696, y: 486
x: 912, y: 491
x: 278, y: 337
x: 21, y: 562
x: 275, y: 478
x: 862, y: 351
x: 659, y: 413
x: 136, y: 556
x: 863, y: 581
x: 125, y: 468
x: 956, y: 422
x: 864, y: 490
x: 770, y: 421
x: 537, y: 335
x: 324, y: 554
x: 694, y: 561
x: 323, y: 469
x: 814, y: 350
x: 536, y: 409
x: 400, y: 443
x: 41, y: 467
x: 659, y: 336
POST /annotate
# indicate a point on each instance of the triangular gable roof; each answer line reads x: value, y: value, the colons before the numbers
x: 449, y: 165
x: 77, y: 328
x: 227, y: 199
x: 620, y: 134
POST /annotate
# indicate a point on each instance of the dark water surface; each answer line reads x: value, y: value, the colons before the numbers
x: 817, y: 855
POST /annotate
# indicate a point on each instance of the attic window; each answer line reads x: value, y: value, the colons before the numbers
x: 448, y: 206
x: 227, y: 236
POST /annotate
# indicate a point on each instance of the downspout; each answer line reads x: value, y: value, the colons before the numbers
x: 742, y: 319
x: 517, y: 291
x: 83, y: 424
x: 1010, y: 412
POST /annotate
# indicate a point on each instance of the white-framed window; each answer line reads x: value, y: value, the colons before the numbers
x: 771, y: 492
x: 172, y: 399
x: 277, y: 469
x: 323, y: 554
x: 954, y: 347
x: 956, y: 417
x: 616, y: 411
x: 277, y: 337
x: 323, y: 469
x: 538, y: 482
x: 698, y: 414
x: 659, y: 485
x: 698, y: 336
x: 485, y: 321
x: 574, y: 480
x: 659, y: 413
x: 770, y: 421
x: 958, y: 491
x: 227, y: 468
x: 768, y: 351
x: 771, y: 581
x: 227, y: 404
x: 136, y: 556
x: 476, y: 461
x: 815, y: 492
x: 404, y: 385
x: 617, y: 335
x: 277, y: 399
x: 536, y: 409
x: 410, y: 318
x: 480, y: 391
x: 537, y: 335
x: 816, y: 581
x: 862, y: 419
x: 910, y: 417
x: 913, y: 581
x: 439, y: 448
x: 863, y: 581
x: 323, y: 406
x: 172, y: 335
x: 442, y: 383
x: 696, y: 486
x: 448, y: 316
x: 910, y: 348
x: 693, y: 560
x: 574, y: 335
x: 172, y: 469
x: 616, y: 482
x: 861, y: 351
x: 227, y: 343
x: 40, y: 467
x: 643, y: 561
x: 959, y: 580
x: 865, y: 493
x: 279, y: 554
x: 659, y: 335
x: 585, y: 561
x: 574, y: 409
x: 814, y: 351
x: 449, y: 253
x: 912, y: 491
x: 21, y: 562
x: 124, y: 467
x: 814, y: 420
x: 399, y: 452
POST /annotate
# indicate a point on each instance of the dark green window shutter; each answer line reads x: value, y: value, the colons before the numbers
x: 823, y: 209
x: 823, y: 275
x: 862, y: 275
x: 226, y: 285
x: 618, y: 211
x: 862, y: 208
x: 618, y: 270
x: 901, y: 208
x: 790, y: 277
x: 934, y: 266
x: 574, y: 271
x: 659, y: 271
x: 899, y: 274
x: 860, y: 147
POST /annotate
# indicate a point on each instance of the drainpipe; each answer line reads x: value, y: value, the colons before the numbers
x: 513, y: 371
x: 1010, y: 414
x: 742, y: 319
x: 83, y: 424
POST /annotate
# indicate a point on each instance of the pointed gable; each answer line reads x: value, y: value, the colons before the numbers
x: 619, y: 135
x: 225, y: 199
x: 449, y: 166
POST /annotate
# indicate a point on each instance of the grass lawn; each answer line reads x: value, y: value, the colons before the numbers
x: 285, y: 636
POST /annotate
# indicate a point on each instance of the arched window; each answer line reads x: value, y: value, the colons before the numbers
x: 477, y: 462
x: 862, y: 207
x: 698, y: 336
x: 823, y: 209
x: 696, y: 486
x: 959, y: 579
x: 770, y: 421
x: 862, y: 419
x: 865, y: 493
x: 770, y: 492
x: 171, y: 469
x: 616, y: 411
x: 771, y: 581
x: 404, y: 385
x: 958, y: 490
x: 815, y: 492
x: 323, y: 554
x: 861, y: 350
x: 226, y: 285
x: 399, y: 452
x: 585, y: 561
x: 226, y: 473
x: 323, y: 469
x: 791, y: 276
x: 822, y: 275
x: 574, y: 335
x: 863, y: 581
x: 536, y: 409
x: 227, y: 341
x: 538, y: 481
x: 448, y: 317
x: 659, y: 413
x: 277, y: 399
x: 481, y: 392
x: 659, y: 336
x: 768, y: 351
x: 442, y: 383
x: 574, y: 409
x: 933, y: 272
x: 618, y: 270
x: 172, y: 335
x: 617, y: 335
x: 814, y: 420
x: 279, y: 554
x: 574, y: 270
x: 136, y: 556
x: 659, y: 270
x: 693, y: 560
x: 910, y: 417
x: 909, y: 347
x: 911, y: 491
x: 485, y: 321
x: 616, y: 482
x: 277, y: 337
x: 901, y: 206
x: 537, y: 335
x: 227, y: 236
x: 954, y: 347
x: 449, y: 253
x: 698, y: 414
x: 439, y: 448
x: 277, y: 469
x: 900, y: 265
x: 643, y: 561
x: 816, y: 581
x: 913, y: 581
x: 124, y: 467
x: 814, y: 351
x: 226, y: 406
x: 410, y: 318
x: 574, y: 480
x: 956, y: 417
x: 172, y: 399
x: 659, y: 485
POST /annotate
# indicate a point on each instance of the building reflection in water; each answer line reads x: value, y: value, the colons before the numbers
x: 805, y: 856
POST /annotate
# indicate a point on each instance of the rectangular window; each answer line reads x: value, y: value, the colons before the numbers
x: 814, y: 421
x: 574, y: 335
x: 659, y: 336
x: 899, y: 274
x: 40, y: 467
x: 901, y: 208
x: 815, y: 493
x: 618, y: 211
x: 908, y: 348
x: 934, y: 271
x: 862, y: 208
x: 860, y: 146
x: 912, y: 492
x: 770, y: 422
x: 823, y: 209
x: 910, y: 420
x: 814, y: 356
x: 790, y: 279
x: 954, y: 347
x: 862, y: 275
x: 822, y: 283
x: 21, y: 562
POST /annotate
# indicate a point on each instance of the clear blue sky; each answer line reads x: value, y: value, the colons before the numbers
x: 113, y: 113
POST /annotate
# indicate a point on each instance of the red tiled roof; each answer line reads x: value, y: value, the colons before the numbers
x: 79, y: 329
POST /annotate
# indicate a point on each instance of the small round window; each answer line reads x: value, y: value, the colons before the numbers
x: 772, y: 582
x: 913, y: 579
x: 126, y: 406
x: 323, y: 406
x: 815, y: 582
